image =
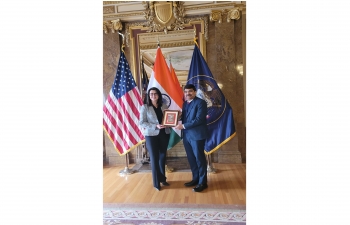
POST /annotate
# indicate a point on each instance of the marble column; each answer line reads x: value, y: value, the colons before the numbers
x: 225, y: 58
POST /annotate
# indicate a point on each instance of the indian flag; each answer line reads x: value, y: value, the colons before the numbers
x: 176, y: 82
x: 163, y: 79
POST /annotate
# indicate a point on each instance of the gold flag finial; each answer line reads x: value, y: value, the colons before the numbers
x: 194, y: 37
x: 123, y: 45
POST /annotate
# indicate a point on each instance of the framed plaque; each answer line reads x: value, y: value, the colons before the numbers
x: 170, y: 118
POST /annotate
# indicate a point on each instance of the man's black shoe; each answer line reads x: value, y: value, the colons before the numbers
x: 165, y: 183
x: 191, y: 183
x: 200, y: 187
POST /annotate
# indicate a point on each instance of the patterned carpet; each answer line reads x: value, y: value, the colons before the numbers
x: 169, y: 214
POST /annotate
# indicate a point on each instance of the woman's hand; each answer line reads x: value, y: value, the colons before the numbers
x: 160, y: 126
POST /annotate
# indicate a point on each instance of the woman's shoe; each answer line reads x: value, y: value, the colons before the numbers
x: 158, y: 189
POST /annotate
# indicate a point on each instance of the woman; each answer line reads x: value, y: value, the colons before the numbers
x: 157, y: 135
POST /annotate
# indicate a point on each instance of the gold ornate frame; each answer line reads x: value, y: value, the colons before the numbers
x: 170, y: 118
x: 141, y: 41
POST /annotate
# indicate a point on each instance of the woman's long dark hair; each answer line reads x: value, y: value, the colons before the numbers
x: 160, y: 99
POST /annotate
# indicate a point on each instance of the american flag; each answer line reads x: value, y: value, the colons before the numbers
x: 121, y: 111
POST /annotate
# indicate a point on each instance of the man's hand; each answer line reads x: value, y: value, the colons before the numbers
x: 179, y: 127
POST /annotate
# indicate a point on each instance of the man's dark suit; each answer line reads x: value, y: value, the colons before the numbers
x: 194, y: 135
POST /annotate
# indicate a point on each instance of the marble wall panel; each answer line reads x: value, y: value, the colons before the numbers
x: 111, y: 54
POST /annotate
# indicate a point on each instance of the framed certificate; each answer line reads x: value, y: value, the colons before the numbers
x: 170, y: 118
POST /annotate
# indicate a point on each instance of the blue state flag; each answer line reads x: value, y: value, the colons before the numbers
x: 220, y: 120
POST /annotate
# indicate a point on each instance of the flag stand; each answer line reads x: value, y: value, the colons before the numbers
x: 168, y: 168
x: 145, y: 157
x: 126, y: 170
x: 210, y: 168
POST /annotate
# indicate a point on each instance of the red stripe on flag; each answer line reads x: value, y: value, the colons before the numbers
x: 111, y: 135
x: 136, y: 112
x: 128, y: 120
x: 137, y: 96
x: 112, y: 119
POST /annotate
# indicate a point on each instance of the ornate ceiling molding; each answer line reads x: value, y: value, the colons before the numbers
x: 214, y: 6
x: 129, y: 11
x: 167, y: 16
x: 115, y: 2
x: 124, y: 15
x: 230, y: 14
x: 167, y: 45
x: 187, y: 21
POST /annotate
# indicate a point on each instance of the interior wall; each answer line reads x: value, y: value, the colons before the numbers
x: 225, y: 51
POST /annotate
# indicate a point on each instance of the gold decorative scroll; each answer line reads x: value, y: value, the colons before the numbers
x: 216, y: 16
x: 113, y: 25
x: 164, y: 16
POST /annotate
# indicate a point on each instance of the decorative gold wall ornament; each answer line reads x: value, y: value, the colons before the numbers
x: 163, y: 12
x: 216, y: 16
x: 186, y: 21
x: 230, y: 14
x: 112, y: 25
x: 233, y: 14
x: 164, y: 16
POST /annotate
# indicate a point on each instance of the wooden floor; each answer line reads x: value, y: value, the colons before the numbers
x: 226, y: 186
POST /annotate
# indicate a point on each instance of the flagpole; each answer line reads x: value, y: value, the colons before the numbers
x: 167, y: 168
x: 126, y: 170
x: 210, y: 167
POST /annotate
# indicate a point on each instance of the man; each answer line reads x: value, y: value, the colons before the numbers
x: 195, y: 131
